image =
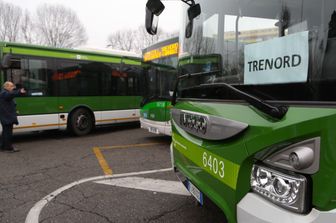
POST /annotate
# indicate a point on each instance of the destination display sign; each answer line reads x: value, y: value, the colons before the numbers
x: 164, y: 51
x: 280, y: 60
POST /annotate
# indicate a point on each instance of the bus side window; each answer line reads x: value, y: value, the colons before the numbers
x: 106, y: 79
x: 67, y: 77
x: 17, y: 73
x: 38, y: 82
x: 133, y: 81
x: 119, y: 82
x: 89, y: 80
x: 33, y: 74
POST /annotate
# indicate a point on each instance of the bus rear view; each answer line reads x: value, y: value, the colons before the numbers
x: 254, y: 129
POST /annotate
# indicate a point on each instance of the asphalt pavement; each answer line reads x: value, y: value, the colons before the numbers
x: 115, y: 174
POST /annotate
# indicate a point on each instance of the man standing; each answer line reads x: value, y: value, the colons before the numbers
x: 8, y: 115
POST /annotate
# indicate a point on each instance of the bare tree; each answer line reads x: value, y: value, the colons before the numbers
x: 29, y: 32
x: 199, y: 44
x: 10, y: 18
x: 135, y: 40
x: 122, y: 40
x: 59, y: 26
x: 146, y: 39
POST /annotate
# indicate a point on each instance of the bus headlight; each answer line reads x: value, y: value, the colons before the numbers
x: 288, y: 191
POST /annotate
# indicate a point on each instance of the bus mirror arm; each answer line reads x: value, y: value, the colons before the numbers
x: 189, y: 29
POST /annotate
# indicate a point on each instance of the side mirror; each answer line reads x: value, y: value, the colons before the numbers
x: 193, y: 12
x: 6, y: 62
x: 153, y: 9
x: 151, y: 22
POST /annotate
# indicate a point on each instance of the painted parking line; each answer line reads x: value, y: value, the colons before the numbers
x: 102, y: 161
x: 35, y: 211
x: 147, y: 184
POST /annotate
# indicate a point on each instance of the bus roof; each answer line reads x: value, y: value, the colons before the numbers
x: 109, y: 51
x: 161, y: 43
x: 81, y: 54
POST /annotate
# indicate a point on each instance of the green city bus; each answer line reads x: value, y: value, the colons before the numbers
x: 256, y: 136
x: 160, y: 61
x: 72, y: 89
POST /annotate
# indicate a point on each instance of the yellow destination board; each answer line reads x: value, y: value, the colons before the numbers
x: 164, y: 51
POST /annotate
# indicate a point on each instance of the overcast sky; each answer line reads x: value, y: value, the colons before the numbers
x: 102, y: 17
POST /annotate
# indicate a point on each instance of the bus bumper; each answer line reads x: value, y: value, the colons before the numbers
x: 253, y: 208
x: 156, y: 127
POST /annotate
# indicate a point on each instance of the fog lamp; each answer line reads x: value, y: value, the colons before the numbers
x: 301, y: 157
x: 287, y: 191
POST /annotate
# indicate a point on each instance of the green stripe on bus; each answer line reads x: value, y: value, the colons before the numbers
x: 195, y: 154
x: 55, y: 54
x: 73, y: 55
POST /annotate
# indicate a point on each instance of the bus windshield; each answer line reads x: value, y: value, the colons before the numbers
x: 160, y: 82
x: 280, y: 50
x: 161, y: 62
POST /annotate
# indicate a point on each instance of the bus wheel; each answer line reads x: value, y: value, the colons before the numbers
x: 81, y: 122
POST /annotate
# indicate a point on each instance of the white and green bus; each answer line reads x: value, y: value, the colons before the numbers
x: 72, y: 89
x: 254, y: 110
x: 160, y: 64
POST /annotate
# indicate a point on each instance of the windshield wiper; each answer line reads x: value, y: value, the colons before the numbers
x: 275, y: 111
x: 198, y: 74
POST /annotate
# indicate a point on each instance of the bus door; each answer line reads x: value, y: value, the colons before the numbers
x: 120, y: 99
x: 135, y: 87
x: 167, y: 77
x: 153, y: 105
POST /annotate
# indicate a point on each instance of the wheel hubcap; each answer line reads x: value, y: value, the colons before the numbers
x: 82, y: 122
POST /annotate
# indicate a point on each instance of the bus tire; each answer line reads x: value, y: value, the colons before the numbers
x: 81, y: 122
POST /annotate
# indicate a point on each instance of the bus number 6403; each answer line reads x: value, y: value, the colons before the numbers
x: 213, y: 164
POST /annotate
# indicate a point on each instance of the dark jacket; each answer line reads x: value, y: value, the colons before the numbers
x: 8, y: 107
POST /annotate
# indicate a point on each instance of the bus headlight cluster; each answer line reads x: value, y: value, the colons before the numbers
x: 288, y: 191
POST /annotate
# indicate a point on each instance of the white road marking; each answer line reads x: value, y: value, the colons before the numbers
x: 141, y: 183
x: 34, y: 213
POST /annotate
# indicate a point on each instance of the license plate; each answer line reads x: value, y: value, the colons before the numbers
x: 153, y: 130
x: 195, y: 192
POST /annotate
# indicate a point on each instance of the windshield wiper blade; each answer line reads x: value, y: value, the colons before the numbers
x: 197, y: 74
x: 275, y: 111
